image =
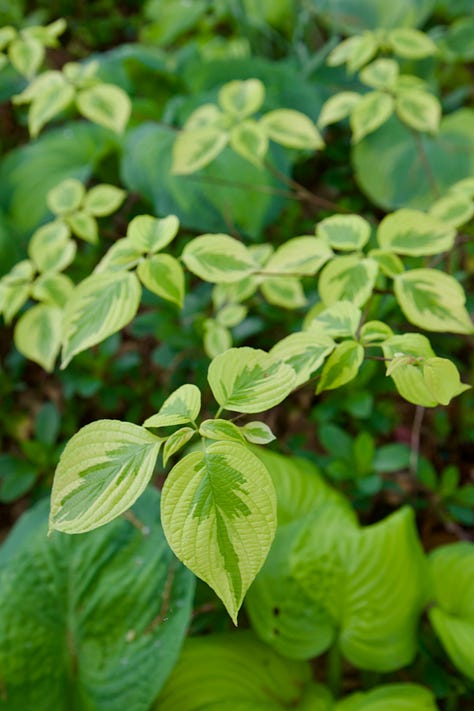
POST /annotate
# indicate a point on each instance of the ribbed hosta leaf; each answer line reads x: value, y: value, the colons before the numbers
x: 396, y: 697
x: 101, y: 473
x: 101, y: 305
x: 93, y: 621
x: 249, y: 380
x: 219, y: 515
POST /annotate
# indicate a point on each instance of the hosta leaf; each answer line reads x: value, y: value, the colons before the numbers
x: 347, y: 278
x: 195, y: 148
x: 242, y: 98
x: 418, y: 109
x: 454, y: 209
x: 300, y: 256
x: 218, y: 510
x: 286, y: 292
x: 210, y: 673
x: 341, y: 366
x: 84, y: 226
x: 338, y: 107
x: 180, y: 408
x: 106, y: 105
x: 56, y: 96
x: 257, y: 433
x: 218, y: 258
x: 37, y: 334
x: 101, y: 473
x: 249, y: 140
x: 304, y: 351
x: 98, y: 307
x: 292, y: 129
x: 340, y: 320
x: 103, y: 200
x: 117, y: 594
x: 433, y: 300
x: 344, y: 232
x: 50, y: 247
x: 66, y: 197
x: 221, y: 430
x: 411, y: 43
x: 163, y: 275
x: 150, y: 234
x: 370, y: 113
x: 396, y: 697
x: 381, y: 74
x: 249, y: 380
x: 176, y: 441
x: 414, y: 233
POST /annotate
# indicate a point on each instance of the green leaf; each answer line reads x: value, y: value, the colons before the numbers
x: 122, y: 255
x: 51, y: 248
x: 418, y: 109
x: 257, y: 432
x: 217, y: 338
x: 249, y: 380
x: 442, y: 379
x: 414, y: 233
x: 221, y: 430
x: 117, y: 594
x: 344, y: 232
x: 218, y: 258
x: 300, y: 256
x: 195, y: 148
x: 286, y: 292
x: 54, y: 97
x: 433, y: 300
x: 304, y: 352
x: 374, y: 333
x: 101, y: 473
x: 396, y: 697
x: 342, y: 366
x: 389, y: 263
x: 83, y: 225
x: 103, y: 200
x: 373, y: 110
x: 163, y: 275
x: 341, y: 320
x: 37, y: 335
x: 231, y: 315
x: 381, y: 74
x: 99, y: 306
x: 66, y: 197
x: 409, y: 43
x: 53, y: 289
x: 292, y: 129
x: 176, y: 441
x: 348, y: 278
x: 338, y: 107
x: 205, y: 115
x: 242, y: 98
x: 363, y: 50
x: 106, y: 105
x: 150, y: 234
x: 18, y: 477
x: 26, y: 55
x: 453, y: 209
x: 249, y: 140
x: 7, y: 34
x: 219, y: 516
x: 407, y: 352
x: 452, y: 615
x: 180, y: 408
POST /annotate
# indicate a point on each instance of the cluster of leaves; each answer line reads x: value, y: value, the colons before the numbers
x: 349, y: 289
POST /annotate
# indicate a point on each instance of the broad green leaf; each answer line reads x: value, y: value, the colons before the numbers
x: 163, y: 275
x: 396, y: 697
x: 233, y: 671
x: 195, y: 148
x: 103, y: 200
x: 338, y: 107
x: 101, y: 473
x: 344, y: 232
x: 373, y: 110
x: 257, y: 432
x: 381, y: 74
x: 414, y: 233
x: 205, y: 115
x: 117, y: 594
x: 51, y: 248
x: 217, y: 338
x: 340, y: 320
x: 286, y: 292
x: 374, y: 333
x: 408, y: 376
x: 452, y: 614
x: 442, y: 379
x: 99, y: 306
x: 453, y: 209
x: 52, y: 288
x: 300, y: 256
x: 418, y: 109
x: 410, y: 43
x: 347, y: 278
x: 122, y: 255
x: 218, y: 258
x: 341, y: 366
x: 389, y: 263
x: 433, y: 300
x: 26, y: 55
x: 292, y: 129
x: 249, y: 380
x: 180, y: 408
x: 363, y: 50
x: 304, y: 352
x: 66, y: 197
x: 221, y: 430
x: 56, y: 96
x: 37, y: 335
x: 106, y: 105
x: 249, y: 140
x: 218, y: 510
x: 83, y: 225
x: 242, y: 98
x: 150, y: 234
x: 176, y: 441
x: 231, y: 315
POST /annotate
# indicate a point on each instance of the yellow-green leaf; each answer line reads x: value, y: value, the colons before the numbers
x: 180, y: 408
x: 415, y: 233
x: 370, y: 113
x: 242, y: 98
x: 249, y: 140
x: 197, y: 147
x: 344, y: 232
x: 348, y: 278
x: 37, y: 334
x: 418, y: 109
x: 342, y: 366
x: 163, y: 275
x: 292, y: 129
x: 106, y: 105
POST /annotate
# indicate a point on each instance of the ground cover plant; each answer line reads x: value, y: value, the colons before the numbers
x: 236, y: 249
